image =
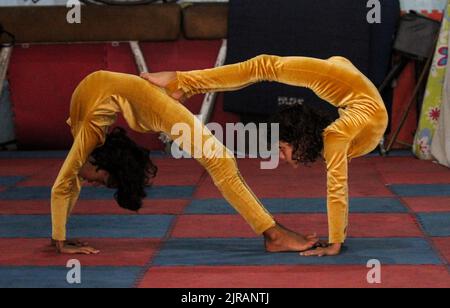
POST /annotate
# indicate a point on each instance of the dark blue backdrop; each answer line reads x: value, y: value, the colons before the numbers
x: 320, y: 28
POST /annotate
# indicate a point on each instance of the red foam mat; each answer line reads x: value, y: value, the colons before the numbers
x: 252, y: 166
x: 407, y: 177
x: 428, y: 204
x: 176, y: 172
x: 41, y: 100
x: 31, y: 207
x: 361, y: 225
x: 443, y: 244
x: 46, y: 177
x: 93, y: 207
x: 185, y: 172
x: 270, y: 186
x: 405, y: 164
x: 304, y: 182
x: 114, y: 252
x: 26, y: 167
x: 149, y: 207
x: 294, y: 277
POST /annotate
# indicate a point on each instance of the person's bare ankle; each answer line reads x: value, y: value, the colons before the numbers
x: 161, y: 79
x: 179, y: 95
x: 273, y: 233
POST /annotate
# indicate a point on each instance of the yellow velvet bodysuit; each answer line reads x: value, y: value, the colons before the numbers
x: 102, y: 95
x: 359, y: 129
x: 94, y: 106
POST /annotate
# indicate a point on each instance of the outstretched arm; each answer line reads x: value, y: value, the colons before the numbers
x: 336, y: 146
x: 67, y: 188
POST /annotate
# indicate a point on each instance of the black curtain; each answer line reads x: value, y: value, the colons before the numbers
x: 321, y: 29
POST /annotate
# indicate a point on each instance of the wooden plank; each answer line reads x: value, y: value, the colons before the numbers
x: 138, y: 57
x: 5, y: 56
x: 210, y: 98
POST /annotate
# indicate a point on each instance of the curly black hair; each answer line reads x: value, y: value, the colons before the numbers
x: 302, y: 127
x: 129, y: 167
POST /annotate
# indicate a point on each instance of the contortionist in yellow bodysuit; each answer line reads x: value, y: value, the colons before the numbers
x: 112, y: 159
x: 305, y: 135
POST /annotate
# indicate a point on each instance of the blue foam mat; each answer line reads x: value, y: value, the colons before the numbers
x: 301, y: 205
x: 10, y: 180
x: 56, y: 277
x: 393, y: 153
x: 235, y: 251
x: 421, y: 190
x: 435, y: 224
x: 98, y: 226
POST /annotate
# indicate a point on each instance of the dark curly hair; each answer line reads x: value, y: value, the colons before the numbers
x: 129, y: 167
x: 302, y: 127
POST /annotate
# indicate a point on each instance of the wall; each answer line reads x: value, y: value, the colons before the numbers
x: 406, y: 4
x: 29, y: 2
x: 423, y: 5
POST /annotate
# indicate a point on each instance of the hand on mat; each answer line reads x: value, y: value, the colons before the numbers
x: 72, y: 250
x: 331, y: 250
x: 162, y: 80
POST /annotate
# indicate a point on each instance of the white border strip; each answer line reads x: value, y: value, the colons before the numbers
x: 210, y: 98
x: 423, y: 5
x: 138, y: 57
x: 5, y: 56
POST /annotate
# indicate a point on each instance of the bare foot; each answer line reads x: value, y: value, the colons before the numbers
x: 280, y: 239
x: 163, y: 79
